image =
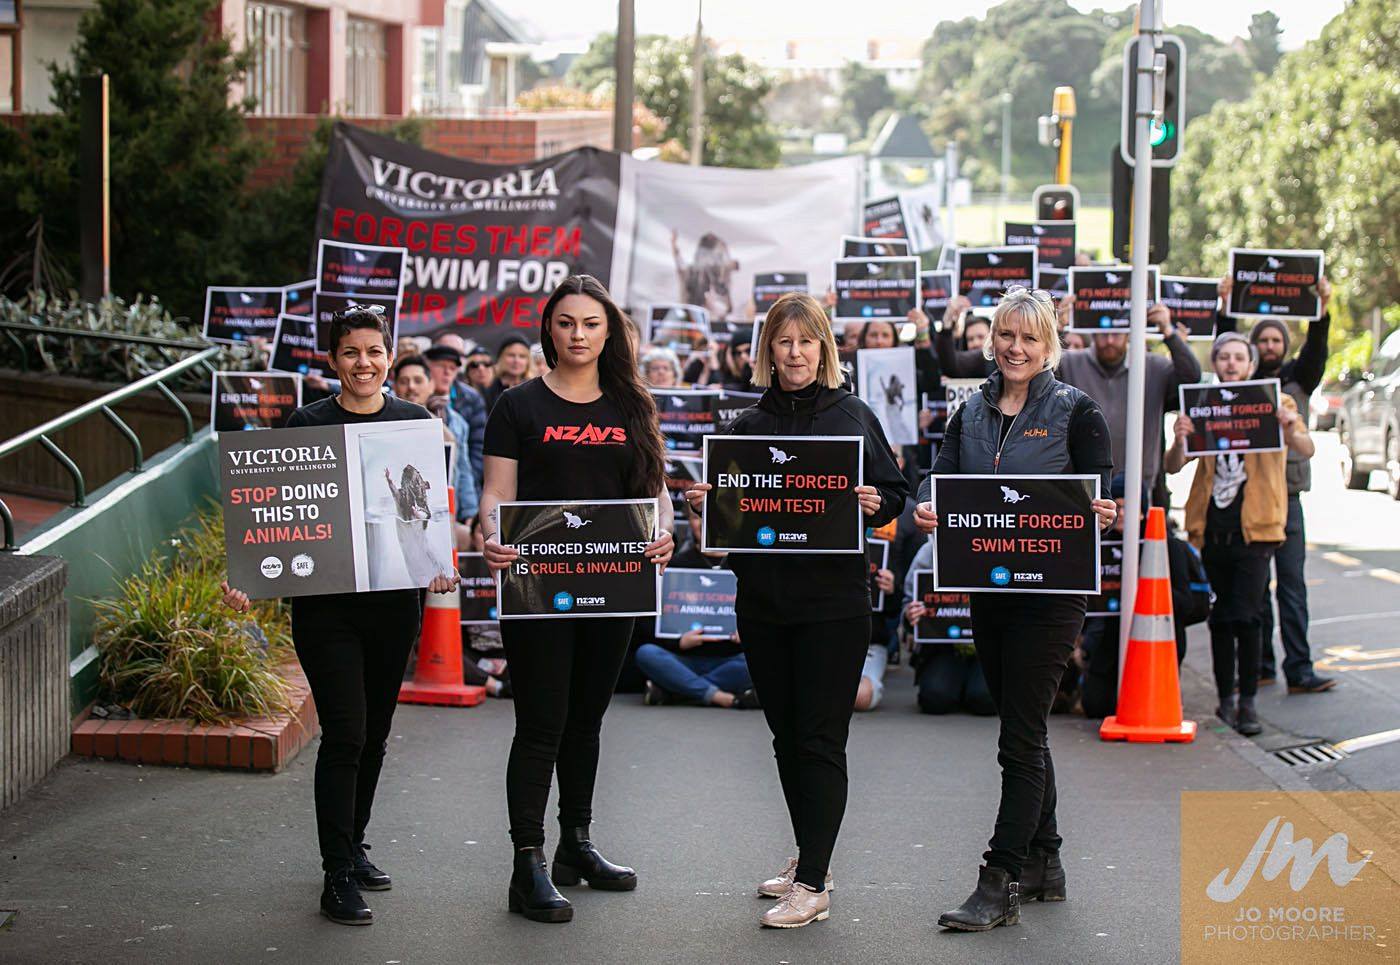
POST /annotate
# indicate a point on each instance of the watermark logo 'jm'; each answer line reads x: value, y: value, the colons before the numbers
x: 1284, y: 853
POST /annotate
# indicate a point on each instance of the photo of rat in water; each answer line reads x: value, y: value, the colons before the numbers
x: 410, y: 495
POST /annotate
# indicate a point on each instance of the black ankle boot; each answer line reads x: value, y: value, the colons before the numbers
x: 341, y: 901
x: 367, y: 876
x: 1246, y: 720
x: 532, y: 894
x: 576, y: 858
x: 997, y: 901
x: 1042, y: 878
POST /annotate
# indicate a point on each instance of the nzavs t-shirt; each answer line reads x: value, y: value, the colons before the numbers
x: 565, y: 450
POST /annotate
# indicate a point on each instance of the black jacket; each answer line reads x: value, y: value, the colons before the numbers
x: 816, y: 587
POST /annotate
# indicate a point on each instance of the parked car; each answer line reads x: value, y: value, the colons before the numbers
x: 1326, y: 400
x: 1368, y: 422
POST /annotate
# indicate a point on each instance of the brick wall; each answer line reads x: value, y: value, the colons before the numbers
x: 34, y: 716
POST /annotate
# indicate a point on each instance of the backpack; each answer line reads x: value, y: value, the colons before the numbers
x: 1191, y: 593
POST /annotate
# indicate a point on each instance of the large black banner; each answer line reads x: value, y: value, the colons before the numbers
x: 1232, y: 417
x: 1192, y: 302
x: 947, y: 615
x: 1108, y: 602
x: 487, y: 243
x: 1053, y: 240
x: 783, y: 494
x: 983, y: 274
x: 768, y: 287
x: 238, y: 314
x: 1276, y: 284
x: 252, y: 400
x: 697, y: 600
x: 578, y: 559
x: 1103, y: 298
x: 687, y: 416
x: 868, y: 288
x: 1028, y: 534
x: 477, y: 594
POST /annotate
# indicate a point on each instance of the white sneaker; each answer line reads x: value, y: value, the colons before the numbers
x: 778, y: 886
x: 800, y: 906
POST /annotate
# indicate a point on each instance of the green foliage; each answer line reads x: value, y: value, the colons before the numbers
x: 864, y: 93
x: 1307, y: 161
x: 1352, y: 357
x: 1262, y: 44
x: 170, y: 649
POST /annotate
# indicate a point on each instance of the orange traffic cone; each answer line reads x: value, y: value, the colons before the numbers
x: 1149, y: 700
x: 437, y: 678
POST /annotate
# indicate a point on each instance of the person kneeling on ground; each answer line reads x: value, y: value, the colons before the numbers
x: 947, y: 675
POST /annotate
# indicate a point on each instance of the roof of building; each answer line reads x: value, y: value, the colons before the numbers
x: 902, y: 137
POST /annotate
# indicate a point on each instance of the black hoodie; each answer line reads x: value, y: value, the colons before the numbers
x: 815, y: 587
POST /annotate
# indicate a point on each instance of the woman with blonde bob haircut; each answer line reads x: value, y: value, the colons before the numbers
x: 1023, y: 422
x: 805, y: 620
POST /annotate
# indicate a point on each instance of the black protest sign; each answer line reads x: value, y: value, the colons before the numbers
x: 578, y: 559
x: 1232, y: 417
x: 681, y: 472
x: 252, y: 400
x: 868, y: 288
x: 768, y: 287
x: 877, y: 555
x: 1025, y: 534
x: 1053, y: 240
x: 697, y: 600
x: 947, y: 614
x: 1108, y: 602
x: 984, y: 274
x: 350, y: 269
x: 477, y: 593
x: 682, y: 328
x: 884, y: 218
x: 326, y: 305
x: 1053, y: 280
x: 687, y: 416
x: 238, y: 314
x: 783, y: 494
x: 936, y: 289
x: 958, y: 391
x: 1103, y: 297
x: 1192, y: 302
x: 294, y: 347
x: 938, y: 423
x: 729, y: 404
x: 296, y: 299
x: 855, y: 246
x: 1275, y: 284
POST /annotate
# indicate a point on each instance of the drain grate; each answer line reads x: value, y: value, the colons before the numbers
x: 1311, y: 755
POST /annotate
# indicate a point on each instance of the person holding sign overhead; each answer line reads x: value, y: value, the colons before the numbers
x: 353, y: 647
x: 1237, y: 516
x: 1022, y: 422
x: 805, y: 619
x: 586, y: 430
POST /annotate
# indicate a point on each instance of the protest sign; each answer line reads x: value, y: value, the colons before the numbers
x: 296, y: 299
x: 869, y: 288
x: 938, y: 423
x: 1053, y: 280
x: 700, y: 600
x: 681, y: 472
x: 252, y: 400
x: 888, y: 384
x: 1193, y: 303
x: 578, y: 559
x: 477, y: 594
x: 855, y: 246
x: 326, y: 305
x: 687, y: 416
x: 1275, y: 283
x: 1232, y: 417
x: 959, y: 391
x: 1108, y: 602
x: 238, y: 314
x: 783, y: 494
x: 768, y: 287
x: 884, y: 218
x: 344, y: 268
x: 1053, y: 240
x: 729, y: 404
x: 935, y: 288
x: 1103, y: 298
x: 947, y: 615
x: 1026, y: 534
x: 681, y: 328
x: 877, y: 555
x: 294, y: 348
x: 983, y: 274
x: 335, y: 509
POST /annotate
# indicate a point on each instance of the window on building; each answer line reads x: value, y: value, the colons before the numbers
x: 367, y: 53
x: 277, y: 78
x: 427, y: 71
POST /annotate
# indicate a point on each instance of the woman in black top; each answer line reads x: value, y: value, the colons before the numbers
x: 805, y: 620
x: 353, y: 647
x: 588, y: 430
x: 1022, y: 422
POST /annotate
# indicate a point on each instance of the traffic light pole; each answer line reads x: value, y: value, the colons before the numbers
x: 1148, y: 29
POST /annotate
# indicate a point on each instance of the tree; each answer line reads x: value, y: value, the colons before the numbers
x: 864, y: 93
x: 801, y: 103
x: 1262, y: 44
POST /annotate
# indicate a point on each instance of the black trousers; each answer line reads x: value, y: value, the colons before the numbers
x: 1239, y: 575
x: 1100, y: 684
x: 562, y: 673
x: 1024, y: 642
x: 806, y: 676
x: 353, y: 649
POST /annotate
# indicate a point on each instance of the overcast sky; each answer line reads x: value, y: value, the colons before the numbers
x: 562, y: 20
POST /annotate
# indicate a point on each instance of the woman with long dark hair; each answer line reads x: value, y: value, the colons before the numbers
x: 563, y: 670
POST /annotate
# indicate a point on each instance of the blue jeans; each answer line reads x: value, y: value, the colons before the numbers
x: 1292, y: 603
x: 692, y: 676
x: 949, y: 682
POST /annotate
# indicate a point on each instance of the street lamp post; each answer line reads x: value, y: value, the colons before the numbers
x: 697, y: 88
x: 1005, y: 152
x: 624, y: 60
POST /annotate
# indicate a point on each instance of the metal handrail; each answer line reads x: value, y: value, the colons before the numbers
x: 108, y: 336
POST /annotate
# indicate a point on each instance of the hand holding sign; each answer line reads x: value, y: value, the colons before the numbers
x: 499, y: 557
x: 235, y: 600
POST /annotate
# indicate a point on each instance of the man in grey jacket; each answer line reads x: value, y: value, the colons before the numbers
x: 1101, y: 372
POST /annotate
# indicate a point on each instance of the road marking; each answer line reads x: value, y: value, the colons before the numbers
x: 1390, y: 576
x: 1354, y: 617
x: 1370, y: 740
x: 1349, y: 658
x: 1341, y: 559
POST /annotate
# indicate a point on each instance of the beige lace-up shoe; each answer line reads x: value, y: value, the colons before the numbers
x: 778, y: 886
x: 800, y: 906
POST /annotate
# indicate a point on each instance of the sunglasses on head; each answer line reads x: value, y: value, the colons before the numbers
x: 1039, y: 294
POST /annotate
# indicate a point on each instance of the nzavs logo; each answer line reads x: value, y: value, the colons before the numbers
x: 1001, y: 576
x: 766, y: 536
x: 563, y: 601
x: 271, y: 567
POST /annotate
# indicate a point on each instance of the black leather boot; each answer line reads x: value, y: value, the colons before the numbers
x: 532, y: 894
x: 367, y: 875
x: 1246, y: 720
x: 997, y: 901
x: 576, y: 858
x: 1042, y: 878
x: 341, y: 901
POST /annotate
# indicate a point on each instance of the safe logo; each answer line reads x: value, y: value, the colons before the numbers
x: 1001, y: 576
x: 1283, y: 853
x: 563, y: 602
x: 587, y: 435
x: 767, y: 536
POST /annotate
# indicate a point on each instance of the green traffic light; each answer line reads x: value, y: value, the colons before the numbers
x: 1161, y: 132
